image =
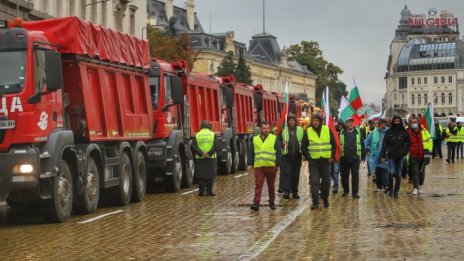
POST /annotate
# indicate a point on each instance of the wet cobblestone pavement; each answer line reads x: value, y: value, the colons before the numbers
x: 187, y: 227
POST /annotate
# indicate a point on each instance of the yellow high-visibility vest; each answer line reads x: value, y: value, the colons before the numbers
x: 205, y: 141
x: 319, y: 146
x: 265, y: 153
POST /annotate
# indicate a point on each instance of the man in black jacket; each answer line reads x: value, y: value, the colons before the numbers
x: 318, y: 147
x: 395, y: 147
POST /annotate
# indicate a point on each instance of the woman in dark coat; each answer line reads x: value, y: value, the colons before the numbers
x: 205, y: 161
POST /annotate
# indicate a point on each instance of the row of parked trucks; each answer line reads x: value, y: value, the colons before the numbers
x: 87, y: 113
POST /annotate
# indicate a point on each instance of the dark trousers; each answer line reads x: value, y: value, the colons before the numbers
x: 395, y: 168
x: 459, y: 150
x: 205, y: 186
x: 451, y: 150
x: 437, y: 149
x: 268, y: 174
x: 319, y: 178
x: 290, y: 174
x: 418, y: 171
x: 381, y: 178
x: 347, y: 167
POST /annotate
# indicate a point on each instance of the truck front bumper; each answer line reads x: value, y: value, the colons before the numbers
x: 19, y: 168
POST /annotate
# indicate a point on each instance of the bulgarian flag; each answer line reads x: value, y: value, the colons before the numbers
x: 283, y: 117
x: 346, y: 111
x: 427, y: 120
x: 329, y: 121
x: 355, y: 99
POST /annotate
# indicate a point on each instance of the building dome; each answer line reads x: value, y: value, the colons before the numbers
x: 405, y: 14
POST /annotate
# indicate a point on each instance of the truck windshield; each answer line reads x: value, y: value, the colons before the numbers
x: 154, y: 89
x: 12, y: 69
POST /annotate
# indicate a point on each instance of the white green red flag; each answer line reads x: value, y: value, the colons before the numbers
x: 355, y: 99
x: 283, y: 117
x: 329, y: 120
x: 427, y: 120
x: 346, y: 111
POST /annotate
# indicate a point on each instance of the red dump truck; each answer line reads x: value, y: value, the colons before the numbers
x: 76, y: 114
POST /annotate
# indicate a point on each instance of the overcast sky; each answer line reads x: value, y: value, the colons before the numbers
x: 353, y: 34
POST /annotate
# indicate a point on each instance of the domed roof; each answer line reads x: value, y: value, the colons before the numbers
x: 406, y: 13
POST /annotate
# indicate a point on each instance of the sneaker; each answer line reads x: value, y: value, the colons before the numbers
x: 344, y: 194
x: 254, y: 207
x: 335, y: 191
x: 326, y: 203
x: 286, y: 195
x: 421, y: 189
x: 447, y: 160
x: 314, y: 207
x: 379, y: 190
x: 356, y: 196
x: 272, y: 206
x: 296, y: 196
x: 414, y: 192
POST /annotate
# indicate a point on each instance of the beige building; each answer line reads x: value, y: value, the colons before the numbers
x: 129, y: 16
x: 268, y: 63
x: 426, y: 64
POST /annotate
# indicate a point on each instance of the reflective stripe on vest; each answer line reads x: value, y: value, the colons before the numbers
x: 205, y: 141
x: 265, y: 153
x: 427, y: 142
x: 319, y: 146
x: 299, y: 137
x: 358, y: 143
x: 452, y: 137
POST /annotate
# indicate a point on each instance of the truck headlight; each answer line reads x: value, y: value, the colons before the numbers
x: 155, y: 152
x: 23, y: 169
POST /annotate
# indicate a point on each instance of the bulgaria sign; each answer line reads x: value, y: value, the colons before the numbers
x: 444, y: 19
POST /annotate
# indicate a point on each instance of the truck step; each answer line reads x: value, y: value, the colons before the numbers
x: 46, y: 175
x: 45, y: 155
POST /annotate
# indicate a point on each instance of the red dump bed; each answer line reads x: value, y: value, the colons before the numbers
x: 76, y: 36
x: 204, y: 94
x: 107, y: 103
x: 243, y: 100
x: 270, y: 103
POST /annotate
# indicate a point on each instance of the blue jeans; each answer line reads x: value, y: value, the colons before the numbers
x: 335, y: 174
x: 395, y: 169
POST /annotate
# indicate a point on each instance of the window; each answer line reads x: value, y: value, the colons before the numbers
x: 419, y: 81
x: 412, y: 99
x: 419, y: 99
x: 132, y: 10
x: 412, y: 81
x: 435, y: 98
x: 403, y: 82
x: 450, y: 98
x: 443, y: 79
x: 154, y: 89
x: 167, y: 89
x: 402, y: 99
x: 442, y: 98
x: 39, y: 70
x: 12, y: 70
x: 425, y: 80
x: 72, y: 7
x: 425, y: 99
x: 450, y: 79
x: 435, y: 79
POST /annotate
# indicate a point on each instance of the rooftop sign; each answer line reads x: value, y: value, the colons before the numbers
x: 434, y: 21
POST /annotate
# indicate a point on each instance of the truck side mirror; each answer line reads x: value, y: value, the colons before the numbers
x: 176, y: 90
x: 229, y: 97
x: 53, y: 70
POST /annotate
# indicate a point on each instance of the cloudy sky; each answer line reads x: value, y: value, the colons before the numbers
x: 353, y: 34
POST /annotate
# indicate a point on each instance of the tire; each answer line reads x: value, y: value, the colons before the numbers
x: 88, y: 199
x: 188, y: 173
x: 243, y: 156
x: 140, y: 178
x: 59, y: 207
x: 235, y: 159
x: 173, y: 182
x: 125, y: 181
x: 226, y: 167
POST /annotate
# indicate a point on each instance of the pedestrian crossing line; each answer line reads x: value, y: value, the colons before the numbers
x: 264, y: 242
x: 188, y: 192
x: 100, y: 217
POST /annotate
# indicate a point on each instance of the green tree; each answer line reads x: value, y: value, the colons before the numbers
x: 242, y: 71
x: 227, y: 66
x: 309, y: 54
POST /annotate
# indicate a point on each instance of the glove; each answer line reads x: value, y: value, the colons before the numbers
x: 426, y: 157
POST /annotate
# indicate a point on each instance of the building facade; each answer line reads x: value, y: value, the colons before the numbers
x: 268, y: 63
x: 426, y: 65
x: 129, y: 16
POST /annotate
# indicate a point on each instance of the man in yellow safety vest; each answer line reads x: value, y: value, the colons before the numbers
x: 264, y: 157
x: 318, y: 147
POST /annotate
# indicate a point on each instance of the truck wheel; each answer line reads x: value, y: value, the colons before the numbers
x: 125, y: 180
x: 173, y: 182
x: 243, y: 156
x: 188, y: 173
x: 140, y: 178
x: 58, y: 208
x: 227, y: 165
x: 91, y: 192
x: 235, y: 159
